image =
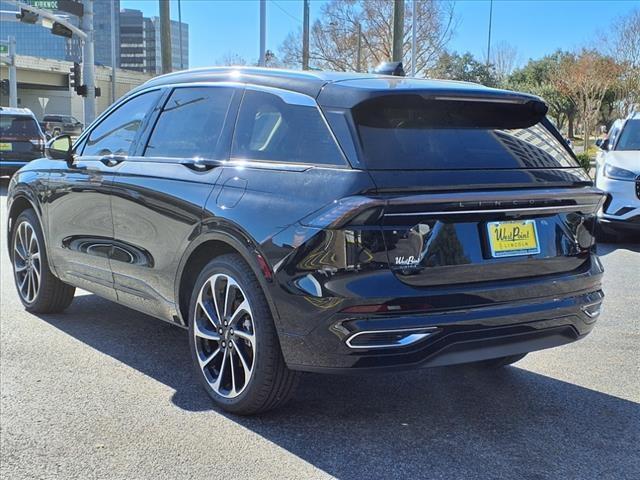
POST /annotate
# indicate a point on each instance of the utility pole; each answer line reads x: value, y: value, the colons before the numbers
x: 165, y: 36
x: 398, y: 30
x: 414, y: 14
x: 305, y: 36
x: 113, y: 52
x: 88, y: 69
x: 359, y: 52
x: 180, y: 33
x: 13, y: 79
x: 263, y: 32
x: 489, y: 36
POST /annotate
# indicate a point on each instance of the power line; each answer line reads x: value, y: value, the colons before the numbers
x: 286, y: 12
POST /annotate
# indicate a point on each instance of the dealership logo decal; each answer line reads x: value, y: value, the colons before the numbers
x: 410, y: 261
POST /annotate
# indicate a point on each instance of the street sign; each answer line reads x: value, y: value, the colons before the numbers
x: 69, y: 6
x: 4, y: 48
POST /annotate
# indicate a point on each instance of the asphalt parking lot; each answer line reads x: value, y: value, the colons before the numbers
x: 105, y: 392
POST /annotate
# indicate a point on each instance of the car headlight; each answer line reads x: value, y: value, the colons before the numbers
x: 618, y: 173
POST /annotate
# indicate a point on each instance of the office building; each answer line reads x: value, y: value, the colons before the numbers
x: 102, y: 14
x: 132, y: 44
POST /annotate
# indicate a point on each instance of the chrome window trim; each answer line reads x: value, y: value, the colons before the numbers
x: 130, y: 96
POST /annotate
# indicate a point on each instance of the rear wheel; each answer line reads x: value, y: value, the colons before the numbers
x: 39, y: 290
x: 495, y: 363
x: 234, y: 344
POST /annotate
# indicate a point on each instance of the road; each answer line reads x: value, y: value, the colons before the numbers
x: 105, y: 392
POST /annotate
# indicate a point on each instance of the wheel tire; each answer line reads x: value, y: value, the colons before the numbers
x: 270, y: 383
x: 495, y: 363
x: 52, y: 295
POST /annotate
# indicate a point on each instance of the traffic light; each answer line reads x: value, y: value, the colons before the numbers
x: 4, y: 86
x: 59, y: 29
x: 75, y: 79
x: 27, y: 16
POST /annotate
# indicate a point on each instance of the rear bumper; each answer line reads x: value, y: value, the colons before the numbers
x: 567, y: 312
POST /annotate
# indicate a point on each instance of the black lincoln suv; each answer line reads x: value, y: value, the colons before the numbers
x: 327, y: 222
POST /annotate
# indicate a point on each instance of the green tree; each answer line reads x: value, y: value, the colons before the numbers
x: 453, y: 66
x: 537, y: 77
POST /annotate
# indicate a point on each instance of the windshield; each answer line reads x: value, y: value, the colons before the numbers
x: 630, y: 136
x: 413, y: 133
x: 18, y: 126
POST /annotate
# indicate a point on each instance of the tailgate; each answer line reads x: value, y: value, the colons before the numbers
x: 443, y: 239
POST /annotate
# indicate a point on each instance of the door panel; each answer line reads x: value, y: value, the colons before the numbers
x: 159, y: 195
x: 157, y: 207
x: 80, y: 218
x: 80, y: 225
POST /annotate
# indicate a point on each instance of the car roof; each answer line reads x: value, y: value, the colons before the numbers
x: 16, y: 111
x: 335, y: 89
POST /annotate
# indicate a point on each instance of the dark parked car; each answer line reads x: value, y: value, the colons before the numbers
x: 21, y: 139
x: 62, y: 124
x: 327, y: 222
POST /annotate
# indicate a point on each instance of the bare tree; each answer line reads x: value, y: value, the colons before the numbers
x: 334, y: 38
x: 504, y: 58
x: 586, y: 78
x: 622, y: 43
x: 231, y: 59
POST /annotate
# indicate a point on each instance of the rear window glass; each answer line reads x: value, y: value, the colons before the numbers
x: 412, y: 133
x: 270, y: 129
x: 20, y: 126
x: 630, y: 136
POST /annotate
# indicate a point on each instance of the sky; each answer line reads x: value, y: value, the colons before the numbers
x: 535, y: 28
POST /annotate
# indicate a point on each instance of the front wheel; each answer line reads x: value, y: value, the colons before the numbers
x: 233, y: 340
x: 39, y: 290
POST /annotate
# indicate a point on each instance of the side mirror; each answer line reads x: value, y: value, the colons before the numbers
x: 602, y: 143
x: 60, y: 148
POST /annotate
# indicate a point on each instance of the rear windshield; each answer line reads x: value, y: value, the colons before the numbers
x: 409, y: 132
x: 630, y: 136
x: 18, y: 126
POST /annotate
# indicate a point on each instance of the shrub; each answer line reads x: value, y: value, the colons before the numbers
x: 584, y: 159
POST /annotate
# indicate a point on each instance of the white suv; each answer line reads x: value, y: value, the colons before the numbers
x: 618, y: 174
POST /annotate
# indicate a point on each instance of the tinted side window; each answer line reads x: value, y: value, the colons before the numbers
x: 190, y: 124
x: 116, y: 133
x: 270, y: 129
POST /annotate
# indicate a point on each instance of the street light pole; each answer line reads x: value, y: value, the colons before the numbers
x: 13, y: 79
x: 305, y: 36
x: 180, y: 33
x: 263, y: 32
x: 359, y: 52
x: 489, y: 36
x: 113, y: 52
x: 414, y: 14
x: 88, y: 69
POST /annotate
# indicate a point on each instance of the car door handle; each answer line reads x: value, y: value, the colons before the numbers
x: 200, y: 165
x: 113, y: 160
